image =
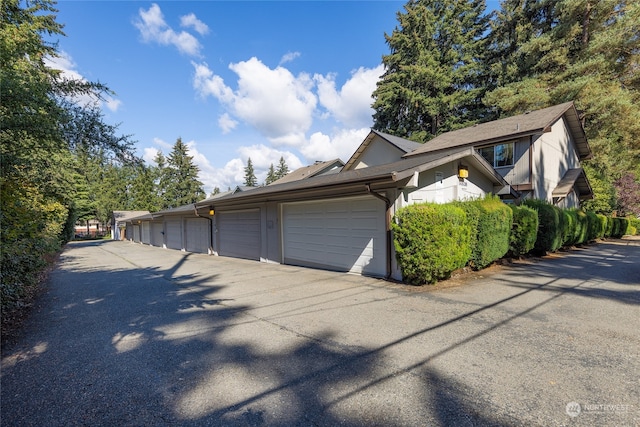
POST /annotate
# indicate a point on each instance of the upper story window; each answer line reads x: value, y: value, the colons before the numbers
x: 498, y: 155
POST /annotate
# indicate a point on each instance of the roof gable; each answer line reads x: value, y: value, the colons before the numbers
x: 531, y: 123
x: 401, y: 144
x: 318, y: 168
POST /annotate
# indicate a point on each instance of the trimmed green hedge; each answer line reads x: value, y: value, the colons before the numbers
x: 431, y: 241
x: 491, y: 222
x: 524, y: 230
x: 549, y: 237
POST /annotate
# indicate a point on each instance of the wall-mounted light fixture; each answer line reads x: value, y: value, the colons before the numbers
x: 463, y: 172
x: 211, y: 212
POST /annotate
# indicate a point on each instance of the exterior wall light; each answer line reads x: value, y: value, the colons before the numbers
x: 211, y: 212
x: 463, y: 172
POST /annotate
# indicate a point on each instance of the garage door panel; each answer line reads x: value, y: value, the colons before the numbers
x: 239, y: 234
x: 174, y: 234
x: 341, y: 234
x: 197, y: 235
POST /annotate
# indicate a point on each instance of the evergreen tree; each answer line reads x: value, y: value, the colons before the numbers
x: 431, y: 81
x: 250, y: 179
x: 216, y: 190
x: 183, y: 186
x: 584, y: 51
x: 271, y: 175
x: 283, y: 169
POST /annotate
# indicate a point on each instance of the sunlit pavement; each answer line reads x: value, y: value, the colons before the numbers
x: 134, y: 335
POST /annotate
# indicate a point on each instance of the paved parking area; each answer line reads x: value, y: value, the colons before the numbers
x: 134, y: 335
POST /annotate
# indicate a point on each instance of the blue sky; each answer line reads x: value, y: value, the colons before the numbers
x: 233, y: 79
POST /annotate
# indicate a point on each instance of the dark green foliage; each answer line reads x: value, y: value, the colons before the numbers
x: 250, y: 179
x: 431, y: 241
x: 524, y: 230
x: 603, y: 225
x: 609, y: 227
x: 491, y: 222
x: 594, y: 226
x: 620, y: 226
x: 283, y: 169
x: 432, y: 79
x: 549, y: 237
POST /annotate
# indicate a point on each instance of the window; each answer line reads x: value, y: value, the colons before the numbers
x: 498, y: 155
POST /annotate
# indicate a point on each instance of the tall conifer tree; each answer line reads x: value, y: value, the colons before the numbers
x: 431, y: 79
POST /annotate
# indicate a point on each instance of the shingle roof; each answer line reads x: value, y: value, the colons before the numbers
x: 309, y: 171
x: 388, y: 175
x: 573, y: 177
x: 402, y: 144
x: 534, y: 122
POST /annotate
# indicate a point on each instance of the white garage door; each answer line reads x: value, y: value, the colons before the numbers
x: 136, y: 233
x: 157, y: 234
x: 338, y: 234
x: 197, y: 231
x: 174, y: 233
x: 239, y: 233
x: 146, y: 233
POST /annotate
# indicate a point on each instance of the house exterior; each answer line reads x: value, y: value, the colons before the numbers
x: 338, y: 216
x: 538, y: 153
x: 119, y: 223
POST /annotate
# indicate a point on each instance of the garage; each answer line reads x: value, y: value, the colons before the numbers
x: 197, y: 233
x: 157, y: 234
x: 174, y: 233
x: 338, y: 234
x: 238, y: 233
x: 146, y: 232
x: 136, y: 233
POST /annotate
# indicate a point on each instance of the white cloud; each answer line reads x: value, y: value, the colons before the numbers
x: 64, y: 63
x: 149, y: 154
x: 226, y: 123
x: 190, y: 21
x: 163, y: 144
x: 153, y: 28
x: 351, y: 105
x: 288, y: 57
x: 341, y: 145
x: 273, y: 101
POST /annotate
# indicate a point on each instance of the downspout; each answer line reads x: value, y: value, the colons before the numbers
x: 387, y: 204
x: 195, y: 209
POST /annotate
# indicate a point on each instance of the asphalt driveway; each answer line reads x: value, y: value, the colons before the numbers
x: 134, y: 335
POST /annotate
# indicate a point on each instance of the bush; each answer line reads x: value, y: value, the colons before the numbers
x: 491, y: 222
x: 572, y: 230
x: 594, y: 226
x: 431, y: 241
x: 549, y: 237
x: 524, y: 230
x: 634, y: 225
x: 603, y: 225
x: 609, y: 229
x: 620, y: 226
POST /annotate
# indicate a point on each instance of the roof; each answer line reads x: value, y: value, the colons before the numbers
x: 318, y: 168
x: 404, y: 145
x: 573, y: 177
x: 358, y: 181
x: 530, y: 123
x: 124, y: 216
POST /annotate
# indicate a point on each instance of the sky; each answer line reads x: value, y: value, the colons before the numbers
x: 233, y: 79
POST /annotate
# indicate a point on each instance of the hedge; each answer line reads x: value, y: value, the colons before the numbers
x: 524, y: 230
x: 431, y: 241
x: 491, y: 222
x: 549, y: 238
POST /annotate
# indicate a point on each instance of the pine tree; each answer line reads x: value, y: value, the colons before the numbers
x: 250, y: 179
x: 584, y: 51
x: 271, y: 175
x: 283, y: 169
x: 431, y: 82
x: 183, y: 186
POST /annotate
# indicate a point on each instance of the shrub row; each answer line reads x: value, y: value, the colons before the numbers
x: 433, y: 240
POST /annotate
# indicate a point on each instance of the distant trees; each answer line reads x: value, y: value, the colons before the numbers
x: 175, y: 178
x: 250, y: 179
x: 273, y: 174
